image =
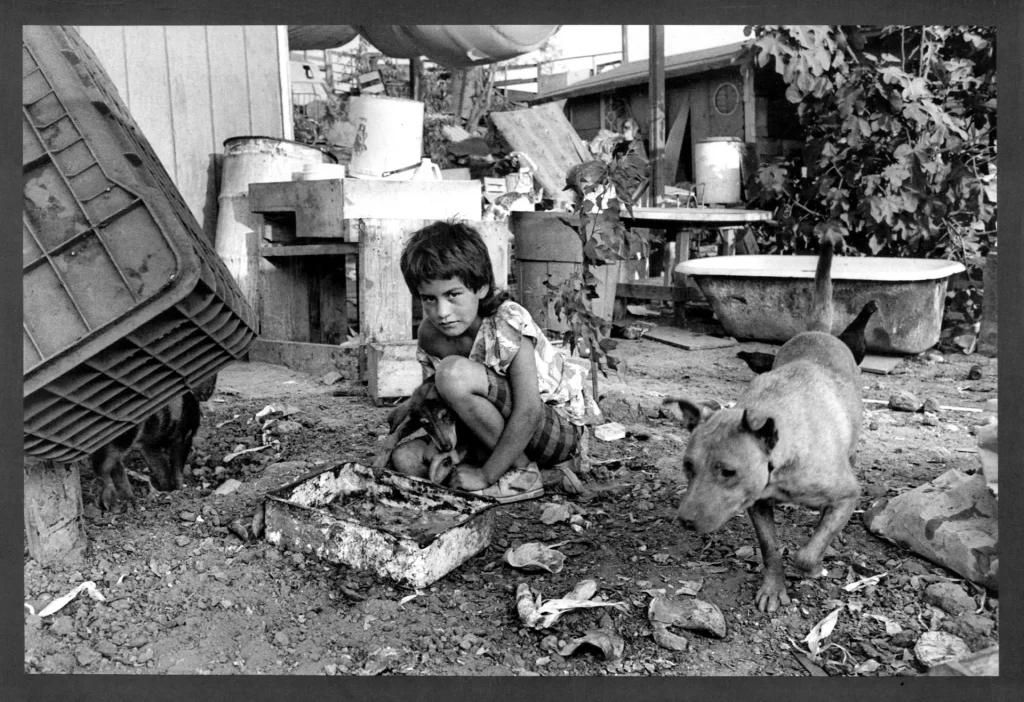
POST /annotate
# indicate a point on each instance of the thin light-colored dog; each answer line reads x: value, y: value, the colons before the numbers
x: 791, y: 437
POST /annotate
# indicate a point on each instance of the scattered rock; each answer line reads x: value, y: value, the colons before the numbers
x: 182, y: 540
x: 87, y: 656
x: 331, y: 669
x: 931, y: 405
x: 63, y: 626
x: 949, y: 597
x: 107, y: 649
x: 975, y: 624
x: 935, y: 647
x: 331, y: 378
x: 975, y: 372
x: 281, y: 639
x: 953, y: 521
x: 187, y: 516
x: 612, y: 431
x: 904, y: 401
x: 228, y: 486
x: 286, y: 426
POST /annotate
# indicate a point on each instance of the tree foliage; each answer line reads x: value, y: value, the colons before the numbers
x: 900, y: 141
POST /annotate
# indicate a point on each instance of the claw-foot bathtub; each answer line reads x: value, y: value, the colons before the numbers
x: 767, y: 298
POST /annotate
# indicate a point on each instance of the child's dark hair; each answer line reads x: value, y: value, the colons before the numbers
x: 451, y: 249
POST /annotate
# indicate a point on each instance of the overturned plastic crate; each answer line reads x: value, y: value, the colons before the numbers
x: 126, y: 304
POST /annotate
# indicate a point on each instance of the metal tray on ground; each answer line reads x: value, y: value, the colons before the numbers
x: 304, y: 516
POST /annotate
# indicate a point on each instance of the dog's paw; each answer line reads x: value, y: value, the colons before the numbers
x: 809, y: 564
x: 772, y: 594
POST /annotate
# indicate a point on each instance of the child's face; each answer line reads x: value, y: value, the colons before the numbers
x: 451, y: 306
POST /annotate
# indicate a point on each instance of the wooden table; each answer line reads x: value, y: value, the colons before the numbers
x: 679, y: 222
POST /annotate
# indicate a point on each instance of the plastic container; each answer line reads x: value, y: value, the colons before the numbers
x: 389, y: 137
x: 322, y: 171
x: 126, y: 305
x: 717, y: 170
x: 427, y: 170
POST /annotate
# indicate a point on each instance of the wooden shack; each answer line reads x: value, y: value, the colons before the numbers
x: 716, y: 92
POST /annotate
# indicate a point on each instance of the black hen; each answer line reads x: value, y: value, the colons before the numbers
x: 853, y: 335
x: 757, y: 361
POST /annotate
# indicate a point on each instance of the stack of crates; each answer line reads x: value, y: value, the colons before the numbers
x: 126, y: 304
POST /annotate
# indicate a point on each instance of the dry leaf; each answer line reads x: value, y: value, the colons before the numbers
x: 609, y: 643
x: 821, y: 631
x: 535, y: 557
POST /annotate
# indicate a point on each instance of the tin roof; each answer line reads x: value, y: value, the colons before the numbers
x: 637, y: 72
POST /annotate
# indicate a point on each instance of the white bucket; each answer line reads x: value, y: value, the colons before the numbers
x: 389, y: 137
x: 717, y: 170
x: 322, y: 171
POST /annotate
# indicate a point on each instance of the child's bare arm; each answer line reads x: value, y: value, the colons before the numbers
x: 527, y: 411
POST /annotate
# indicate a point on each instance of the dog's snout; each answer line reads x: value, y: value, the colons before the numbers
x: 683, y: 521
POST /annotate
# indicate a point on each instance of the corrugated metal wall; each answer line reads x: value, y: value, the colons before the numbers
x: 190, y: 88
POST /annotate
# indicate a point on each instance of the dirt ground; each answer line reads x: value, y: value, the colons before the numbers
x: 187, y: 591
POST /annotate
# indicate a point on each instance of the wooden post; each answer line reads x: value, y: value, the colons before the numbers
x: 625, y: 43
x: 53, y: 512
x: 656, y: 93
x: 415, y: 78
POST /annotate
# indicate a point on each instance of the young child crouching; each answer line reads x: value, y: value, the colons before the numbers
x: 520, y: 402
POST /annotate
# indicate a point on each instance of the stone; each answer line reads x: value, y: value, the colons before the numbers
x: 949, y: 597
x: 612, y: 431
x: 935, y: 647
x: 931, y: 405
x: 975, y: 624
x: 281, y: 639
x: 952, y: 521
x: 107, y: 649
x: 988, y: 450
x: 331, y: 378
x: 904, y: 401
x: 228, y: 486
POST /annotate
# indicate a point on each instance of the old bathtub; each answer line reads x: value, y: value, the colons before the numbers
x: 768, y: 298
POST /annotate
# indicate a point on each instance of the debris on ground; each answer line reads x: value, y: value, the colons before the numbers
x: 538, y: 613
x: 952, y: 520
x: 535, y: 557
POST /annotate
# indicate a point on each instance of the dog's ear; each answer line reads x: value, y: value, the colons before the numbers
x: 689, y: 413
x: 762, y: 427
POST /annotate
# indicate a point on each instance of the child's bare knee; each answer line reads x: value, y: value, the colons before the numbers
x: 457, y: 376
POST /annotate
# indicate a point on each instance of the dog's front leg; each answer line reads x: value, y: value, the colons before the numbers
x: 773, y: 590
x: 833, y: 518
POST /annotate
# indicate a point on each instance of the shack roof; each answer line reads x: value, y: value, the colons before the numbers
x: 637, y: 72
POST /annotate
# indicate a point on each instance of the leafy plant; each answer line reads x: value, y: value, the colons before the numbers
x: 900, y: 143
x: 601, y: 188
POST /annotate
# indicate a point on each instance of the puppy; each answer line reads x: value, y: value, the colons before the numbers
x: 790, y: 437
x: 428, y: 411
x: 164, y: 438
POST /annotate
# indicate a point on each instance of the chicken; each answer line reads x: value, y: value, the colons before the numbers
x: 853, y: 335
x: 757, y: 361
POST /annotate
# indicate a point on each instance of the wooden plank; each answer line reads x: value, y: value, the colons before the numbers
x: 190, y: 121
x: 880, y: 365
x: 341, y: 248
x: 652, y: 292
x: 227, y: 75
x: 262, y: 80
x: 392, y: 369
x: 674, y: 142
x: 546, y: 135
x: 147, y: 79
x: 658, y: 217
x: 498, y: 239
x: 691, y: 341
x: 408, y: 199
x: 315, y: 359
x: 284, y: 300
x: 54, y: 528
x: 385, y: 303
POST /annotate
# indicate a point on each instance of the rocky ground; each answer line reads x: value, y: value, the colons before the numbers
x: 187, y: 589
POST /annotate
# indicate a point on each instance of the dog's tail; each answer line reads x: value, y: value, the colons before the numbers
x: 830, y: 234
